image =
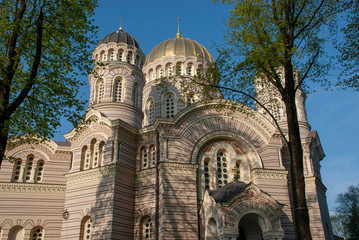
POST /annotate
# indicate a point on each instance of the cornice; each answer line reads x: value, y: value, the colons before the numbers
x: 315, y: 182
x: 145, y: 176
x: 177, y: 169
x: 101, y: 173
x: 275, y: 174
x: 32, y: 188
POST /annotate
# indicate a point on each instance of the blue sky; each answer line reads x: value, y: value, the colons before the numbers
x: 334, y: 114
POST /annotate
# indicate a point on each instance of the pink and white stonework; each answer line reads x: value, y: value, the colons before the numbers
x: 150, y: 164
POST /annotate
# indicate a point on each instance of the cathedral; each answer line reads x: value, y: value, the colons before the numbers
x: 152, y: 163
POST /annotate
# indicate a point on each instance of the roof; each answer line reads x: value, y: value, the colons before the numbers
x: 224, y: 193
x: 120, y: 37
x: 179, y: 47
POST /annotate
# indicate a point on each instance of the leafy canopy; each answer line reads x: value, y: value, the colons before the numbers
x: 67, y: 38
x: 262, y: 36
x: 347, y: 212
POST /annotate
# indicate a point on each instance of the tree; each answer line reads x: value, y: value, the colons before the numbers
x: 338, y: 226
x: 349, y: 50
x: 276, y: 44
x: 44, y: 49
x: 348, y: 212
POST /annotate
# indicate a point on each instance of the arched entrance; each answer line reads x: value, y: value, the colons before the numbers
x: 249, y: 227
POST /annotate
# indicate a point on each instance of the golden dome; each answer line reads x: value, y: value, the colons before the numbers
x: 178, y: 47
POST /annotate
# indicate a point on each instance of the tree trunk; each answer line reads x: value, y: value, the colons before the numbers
x: 4, y: 131
x: 300, y: 209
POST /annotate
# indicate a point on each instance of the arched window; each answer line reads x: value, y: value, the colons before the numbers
x: 102, y: 153
x: 170, y: 71
x: 117, y: 89
x: 237, y: 170
x: 144, y: 158
x: 150, y: 112
x: 86, y: 228
x: 136, y: 94
x: 111, y: 55
x: 160, y: 72
x: 129, y: 57
x: 16, y: 171
x: 37, y: 233
x: 120, y: 55
x: 93, y: 154
x: 189, y: 70
x: 207, y: 173
x: 103, y: 56
x: 153, y: 155
x: 39, y: 171
x: 16, y: 233
x: 100, y: 91
x: 277, y: 110
x: 179, y: 69
x: 222, y: 171
x: 169, y: 105
x: 28, y: 168
x: 85, y: 158
x: 146, y: 228
x: 137, y: 60
x: 150, y: 75
x: 199, y: 71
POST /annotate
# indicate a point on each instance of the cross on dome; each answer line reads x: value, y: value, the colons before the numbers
x: 178, y: 31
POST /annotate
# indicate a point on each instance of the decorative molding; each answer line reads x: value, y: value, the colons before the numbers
x: 32, y: 188
x: 315, y: 182
x: 109, y: 171
x: 275, y: 174
x: 234, y: 136
x: 254, y: 119
x: 177, y: 169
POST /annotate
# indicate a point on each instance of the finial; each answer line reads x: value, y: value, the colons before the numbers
x: 178, y: 33
x: 121, y: 25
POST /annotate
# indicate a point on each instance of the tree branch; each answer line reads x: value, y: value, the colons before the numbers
x: 34, y: 69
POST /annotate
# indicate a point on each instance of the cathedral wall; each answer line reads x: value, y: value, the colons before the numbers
x: 127, y: 155
x: 123, y: 205
x: 274, y: 182
x: 145, y: 201
x: 178, y: 201
x: 319, y: 217
x: 270, y: 157
x: 89, y: 193
x: 28, y: 206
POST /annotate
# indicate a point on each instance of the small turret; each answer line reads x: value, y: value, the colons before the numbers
x: 117, y: 81
x: 269, y: 96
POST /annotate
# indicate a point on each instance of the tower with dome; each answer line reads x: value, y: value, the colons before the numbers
x: 150, y: 162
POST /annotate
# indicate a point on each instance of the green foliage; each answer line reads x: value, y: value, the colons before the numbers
x: 67, y: 38
x: 349, y: 49
x: 347, y: 212
x: 262, y: 35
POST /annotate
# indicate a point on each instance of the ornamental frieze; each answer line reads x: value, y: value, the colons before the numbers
x: 259, y: 123
x: 32, y: 188
x: 177, y: 169
x: 236, y: 137
x: 40, y: 150
x: 273, y: 174
x: 146, y: 177
x: 88, y: 130
x: 109, y: 171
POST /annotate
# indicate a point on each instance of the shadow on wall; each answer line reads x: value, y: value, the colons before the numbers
x: 180, y: 206
x: 102, y: 211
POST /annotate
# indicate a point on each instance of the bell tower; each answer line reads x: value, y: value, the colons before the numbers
x: 117, y: 81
